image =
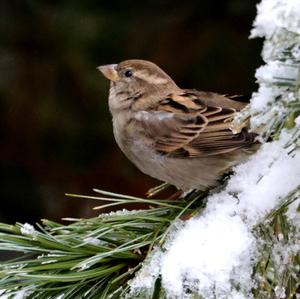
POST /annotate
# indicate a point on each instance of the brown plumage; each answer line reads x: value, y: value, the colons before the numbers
x: 176, y: 135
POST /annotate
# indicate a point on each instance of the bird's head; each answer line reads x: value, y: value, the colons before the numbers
x: 136, y: 84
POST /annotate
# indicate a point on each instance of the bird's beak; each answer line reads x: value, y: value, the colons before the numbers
x: 109, y: 71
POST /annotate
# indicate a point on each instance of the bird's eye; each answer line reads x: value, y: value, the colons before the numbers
x: 128, y: 73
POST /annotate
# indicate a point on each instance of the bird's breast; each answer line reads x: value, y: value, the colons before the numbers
x: 136, y: 146
x: 127, y: 134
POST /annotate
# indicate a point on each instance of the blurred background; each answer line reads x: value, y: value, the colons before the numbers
x: 56, y: 132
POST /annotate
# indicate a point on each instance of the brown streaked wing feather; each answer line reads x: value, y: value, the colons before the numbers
x: 184, y: 125
x: 171, y: 131
x: 212, y: 145
x: 213, y: 99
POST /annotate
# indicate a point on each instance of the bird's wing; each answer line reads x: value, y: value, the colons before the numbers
x: 192, y: 124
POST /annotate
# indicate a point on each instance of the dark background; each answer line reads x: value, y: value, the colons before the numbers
x: 56, y: 133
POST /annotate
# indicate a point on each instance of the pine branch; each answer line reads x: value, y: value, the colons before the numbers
x: 88, y: 258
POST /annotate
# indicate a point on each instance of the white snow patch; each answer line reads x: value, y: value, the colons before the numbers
x: 262, y: 183
x: 296, y: 52
x: 297, y: 121
x: 282, y: 254
x: 146, y: 277
x: 92, y: 241
x: 263, y: 97
x: 273, y: 15
x: 49, y: 262
x: 208, y: 255
x: 293, y: 213
x: 21, y: 294
x: 2, y: 296
x: 122, y: 212
x: 280, y: 292
x: 275, y: 70
x: 28, y: 230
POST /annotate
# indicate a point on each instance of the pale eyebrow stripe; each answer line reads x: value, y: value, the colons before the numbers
x: 153, y: 79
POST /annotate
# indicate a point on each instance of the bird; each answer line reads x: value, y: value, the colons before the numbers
x: 180, y: 136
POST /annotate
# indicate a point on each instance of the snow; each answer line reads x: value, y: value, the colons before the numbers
x: 257, y: 181
x: 293, y: 214
x: 296, y: 52
x: 2, y: 296
x: 261, y: 99
x: 49, y: 262
x: 20, y: 294
x: 276, y: 14
x: 282, y: 254
x: 149, y: 272
x: 279, y: 22
x: 123, y: 212
x: 28, y: 230
x: 280, y: 292
x: 92, y: 241
x: 276, y: 70
x: 208, y: 254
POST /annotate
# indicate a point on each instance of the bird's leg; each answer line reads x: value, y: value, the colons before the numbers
x: 176, y: 195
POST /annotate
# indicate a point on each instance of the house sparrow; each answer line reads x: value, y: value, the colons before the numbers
x: 176, y: 135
